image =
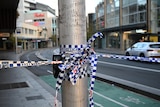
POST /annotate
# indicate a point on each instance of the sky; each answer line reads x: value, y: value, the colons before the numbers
x: 90, y: 5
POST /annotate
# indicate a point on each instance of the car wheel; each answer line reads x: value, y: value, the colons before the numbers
x: 142, y: 55
x: 127, y: 54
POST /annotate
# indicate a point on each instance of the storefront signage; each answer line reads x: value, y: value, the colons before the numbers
x: 4, y: 34
x: 39, y: 15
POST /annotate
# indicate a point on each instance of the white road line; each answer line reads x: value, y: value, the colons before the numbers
x: 128, y: 66
x: 107, y: 98
x: 49, y: 71
x: 97, y: 104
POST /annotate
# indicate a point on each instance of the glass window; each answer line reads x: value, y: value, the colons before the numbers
x: 125, y: 20
x: 30, y: 31
x: 131, y: 18
x: 125, y: 11
x: 142, y: 17
x: 108, y: 8
x: 141, y: 7
x: 125, y: 2
x: 117, y: 3
x: 117, y: 13
x: 155, y: 3
x: 158, y: 3
x: 158, y: 13
x: 132, y: 1
x: 116, y: 21
x: 135, y: 18
x: 112, y: 16
x: 155, y: 46
x: 135, y: 45
x: 26, y: 31
x: 133, y: 8
x: 158, y: 24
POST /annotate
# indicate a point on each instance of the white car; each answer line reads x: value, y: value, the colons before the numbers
x: 144, y: 49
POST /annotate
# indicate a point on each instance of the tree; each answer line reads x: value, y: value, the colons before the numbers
x: 54, y: 40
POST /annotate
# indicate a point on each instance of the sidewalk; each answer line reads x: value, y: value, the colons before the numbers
x: 21, y: 88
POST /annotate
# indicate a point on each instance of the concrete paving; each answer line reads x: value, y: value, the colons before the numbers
x: 21, y: 88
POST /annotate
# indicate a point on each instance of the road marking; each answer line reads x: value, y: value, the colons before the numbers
x: 132, y: 100
x: 49, y: 71
x: 128, y: 66
x: 97, y: 104
x: 107, y: 98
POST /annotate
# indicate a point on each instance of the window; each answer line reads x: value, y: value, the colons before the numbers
x: 155, y: 46
x: 141, y: 7
x: 125, y: 20
x: 142, y: 17
x: 30, y: 31
x: 26, y: 31
x: 125, y: 11
x: 112, y: 16
x: 125, y: 2
x: 131, y: 19
x: 133, y: 8
x: 158, y: 13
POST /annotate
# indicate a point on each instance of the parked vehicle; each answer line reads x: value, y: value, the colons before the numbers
x: 144, y: 49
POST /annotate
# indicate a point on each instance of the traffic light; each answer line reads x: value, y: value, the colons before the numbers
x: 56, y: 70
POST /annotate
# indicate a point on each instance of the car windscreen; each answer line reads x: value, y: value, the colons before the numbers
x: 154, y: 46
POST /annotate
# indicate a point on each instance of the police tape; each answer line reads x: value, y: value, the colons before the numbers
x: 76, y: 57
x: 134, y: 58
x: 14, y: 64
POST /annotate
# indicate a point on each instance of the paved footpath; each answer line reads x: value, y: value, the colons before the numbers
x: 21, y: 88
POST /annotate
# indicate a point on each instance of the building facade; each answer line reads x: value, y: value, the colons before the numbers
x: 29, y: 36
x: 124, y: 22
x: 36, y: 15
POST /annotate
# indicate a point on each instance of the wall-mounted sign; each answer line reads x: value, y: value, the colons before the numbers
x: 38, y: 23
x: 4, y: 34
x: 39, y: 15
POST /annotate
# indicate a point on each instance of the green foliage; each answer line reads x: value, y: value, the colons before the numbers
x: 90, y: 31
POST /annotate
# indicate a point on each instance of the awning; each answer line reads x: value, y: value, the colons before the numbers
x: 8, y: 15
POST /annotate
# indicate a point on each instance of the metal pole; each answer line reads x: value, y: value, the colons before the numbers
x: 16, y: 41
x: 72, y: 30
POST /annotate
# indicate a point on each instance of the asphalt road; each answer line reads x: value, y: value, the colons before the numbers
x: 37, y: 70
x: 147, y: 74
x: 139, y: 72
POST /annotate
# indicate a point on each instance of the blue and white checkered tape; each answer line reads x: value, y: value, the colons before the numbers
x: 14, y: 64
x: 136, y: 58
x: 77, y: 58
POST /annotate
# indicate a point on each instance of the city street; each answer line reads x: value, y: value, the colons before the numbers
x: 137, y: 72
x: 106, y: 53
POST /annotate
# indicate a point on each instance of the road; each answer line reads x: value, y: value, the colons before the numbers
x: 37, y: 70
x: 142, y: 73
x: 108, y: 94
